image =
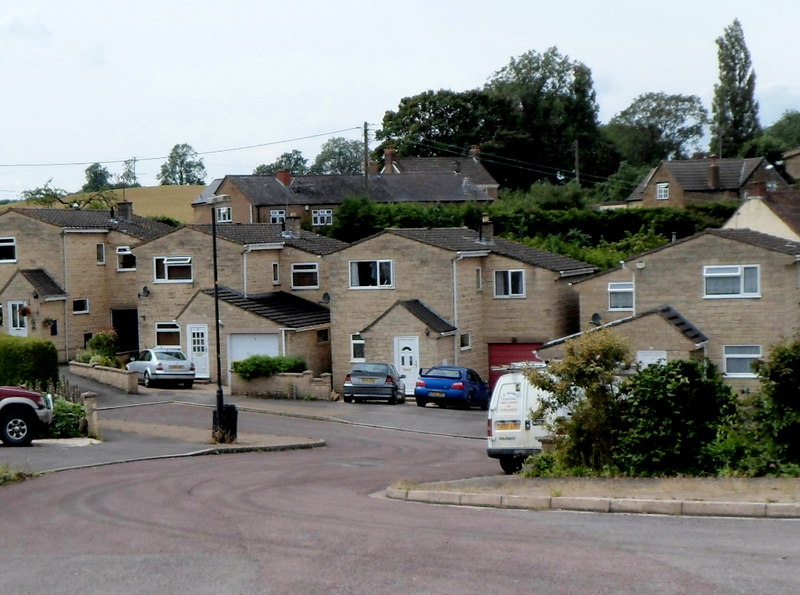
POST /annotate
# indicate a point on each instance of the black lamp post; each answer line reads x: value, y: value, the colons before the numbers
x: 223, y: 428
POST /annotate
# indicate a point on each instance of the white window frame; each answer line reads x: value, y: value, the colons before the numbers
x: 100, y: 253
x: 12, y: 242
x: 507, y: 275
x: 662, y: 191
x: 169, y: 263
x: 732, y: 272
x: 321, y: 217
x: 302, y: 269
x: 223, y: 214
x: 76, y: 302
x: 122, y: 252
x: 381, y: 281
x: 465, y: 341
x: 619, y: 288
x: 168, y: 327
x: 357, y: 342
x: 276, y: 273
x: 277, y: 216
x: 479, y: 279
x: 745, y: 352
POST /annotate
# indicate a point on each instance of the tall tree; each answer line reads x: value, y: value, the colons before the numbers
x: 183, y: 167
x: 658, y: 126
x: 734, y: 109
x: 339, y: 156
x: 128, y: 179
x: 97, y: 178
x: 47, y: 196
x: 786, y: 130
x: 293, y: 161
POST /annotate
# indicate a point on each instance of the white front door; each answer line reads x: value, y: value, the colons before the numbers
x: 406, y: 360
x: 198, y: 349
x: 17, y: 323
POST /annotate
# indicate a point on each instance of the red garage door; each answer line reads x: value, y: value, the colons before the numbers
x: 502, y: 354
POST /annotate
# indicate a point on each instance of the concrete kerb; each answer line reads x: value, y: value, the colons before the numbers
x: 606, y: 505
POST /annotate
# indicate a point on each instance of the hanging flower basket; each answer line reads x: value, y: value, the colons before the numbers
x: 25, y: 311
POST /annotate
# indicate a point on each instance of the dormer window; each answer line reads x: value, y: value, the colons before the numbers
x: 223, y: 214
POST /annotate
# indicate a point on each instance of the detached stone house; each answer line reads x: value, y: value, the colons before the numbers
x: 73, y: 273
x: 726, y: 294
x: 422, y: 297
x: 683, y: 182
x: 315, y: 198
x: 272, y: 286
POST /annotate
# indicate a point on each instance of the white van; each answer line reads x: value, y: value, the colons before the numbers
x: 512, y: 434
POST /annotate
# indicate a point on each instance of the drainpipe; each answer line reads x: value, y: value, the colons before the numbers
x: 455, y: 307
x: 66, y: 301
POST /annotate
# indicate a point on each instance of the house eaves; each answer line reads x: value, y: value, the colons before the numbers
x: 421, y: 311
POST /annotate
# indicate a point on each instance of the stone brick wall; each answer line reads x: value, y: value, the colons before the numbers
x: 121, y: 379
x: 285, y: 386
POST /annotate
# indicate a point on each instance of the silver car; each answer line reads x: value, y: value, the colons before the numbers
x: 162, y: 365
x: 374, y: 381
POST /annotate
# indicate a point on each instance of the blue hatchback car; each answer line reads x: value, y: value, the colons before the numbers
x: 452, y: 385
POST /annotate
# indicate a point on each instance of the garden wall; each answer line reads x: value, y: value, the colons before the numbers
x: 121, y: 379
x: 285, y: 386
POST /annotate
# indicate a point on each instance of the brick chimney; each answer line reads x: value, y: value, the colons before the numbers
x: 486, y: 233
x: 292, y: 223
x: 124, y: 210
x: 713, y: 173
x: 388, y: 160
x: 284, y: 176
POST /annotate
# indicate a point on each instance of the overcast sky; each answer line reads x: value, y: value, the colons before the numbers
x: 243, y: 81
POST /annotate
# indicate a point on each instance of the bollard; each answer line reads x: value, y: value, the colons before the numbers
x: 90, y: 403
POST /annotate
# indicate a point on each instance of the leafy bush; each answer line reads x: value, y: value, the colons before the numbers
x: 27, y: 360
x: 104, y: 343
x: 67, y: 419
x: 264, y: 366
x: 103, y: 360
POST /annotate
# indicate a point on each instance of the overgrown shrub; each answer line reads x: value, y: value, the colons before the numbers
x: 104, y: 343
x: 67, y: 419
x: 264, y: 366
x: 27, y: 360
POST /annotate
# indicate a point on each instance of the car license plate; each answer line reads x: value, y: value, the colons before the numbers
x: 176, y: 367
x: 507, y: 425
x: 435, y: 393
x: 368, y: 380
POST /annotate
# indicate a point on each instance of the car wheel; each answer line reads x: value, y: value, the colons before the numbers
x: 485, y: 405
x: 347, y: 399
x: 511, y: 465
x: 403, y: 400
x: 17, y: 429
x: 393, y: 398
x: 148, y: 382
x: 421, y: 402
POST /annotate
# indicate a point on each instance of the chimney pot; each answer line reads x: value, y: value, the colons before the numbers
x: 388, y: 157
x: 124, y: 210
x: 284, y: 176
x: 713, y: 173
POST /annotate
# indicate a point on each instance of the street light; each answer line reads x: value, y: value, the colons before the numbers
x: 221, y: 430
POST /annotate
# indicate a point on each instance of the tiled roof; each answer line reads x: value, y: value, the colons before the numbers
x: 462, y: 239
x: 334, y: 189
x: 692, y: 174
x: 43, y: 283
x: 756, y: 238
x: 272, y: 233
x: 420, y: 310
x: 286, y: 309
x: 786, y: 205
x: 467, y: 166
x: 101, y: 220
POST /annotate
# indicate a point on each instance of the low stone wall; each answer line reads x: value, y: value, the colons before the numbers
x: 285, y: 386
x: 121, y: 379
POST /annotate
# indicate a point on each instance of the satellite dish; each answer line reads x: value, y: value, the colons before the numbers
x: 326, y: 298
x: 596, y: 320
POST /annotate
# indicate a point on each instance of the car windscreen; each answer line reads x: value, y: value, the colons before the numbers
x: 439, y: 373
x: 371, y: 369
x: 173, y: 355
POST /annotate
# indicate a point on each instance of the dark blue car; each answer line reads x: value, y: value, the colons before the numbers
x: 452, y: 385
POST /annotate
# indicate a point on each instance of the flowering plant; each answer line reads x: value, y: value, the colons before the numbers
x: 25, y: 311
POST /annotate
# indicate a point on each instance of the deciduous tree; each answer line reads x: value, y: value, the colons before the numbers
x: 97, y: 178
x: 183, y: 167
x: 293, y: 161
x: 339, y: 156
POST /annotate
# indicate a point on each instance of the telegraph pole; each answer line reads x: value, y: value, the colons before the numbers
x: 366, y: 160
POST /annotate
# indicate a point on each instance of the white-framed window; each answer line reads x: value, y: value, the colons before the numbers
x: 324, y: 335
x: 305, y: 275
x: 276, y: 273
x: 277, y: 215
x: 738, y: 360
x: 371, y: 273
x: 172, y: 269
x: 168, y: 334
x: 100, y: 251
x: 80, y: 306
x: 732, y: 281
x: 126, y: 261
x: 321, y: 217
x: 509, y: 283
x: 8, y: 249
x: 620, y: 296
x: 223, y: 214
x: 357, y: 350
x: 662, y: 191
x: 479, y: 279
x: 465, y: 341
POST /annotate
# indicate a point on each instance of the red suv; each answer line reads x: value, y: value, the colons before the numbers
x: 24, y: 414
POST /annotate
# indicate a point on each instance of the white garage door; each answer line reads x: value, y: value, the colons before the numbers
x: 243, y: 345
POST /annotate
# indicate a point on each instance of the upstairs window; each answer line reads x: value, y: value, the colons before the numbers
x: 662, y: 191
x: 277, y: 216
x: 276, y: 273
x: 321, y: 217
x: 173, y: 269
x: 100, y: 254
x: 509, y: 283
x: 620, y: 296
x: 223, y: 214
x: 8, y: 250
x: 371, y: 273
x: 305, y: 275
x: 732, y: 281
x: 80, y: 306
x: 126, y: 261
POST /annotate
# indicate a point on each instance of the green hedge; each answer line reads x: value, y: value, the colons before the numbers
x: 264, y: 366
x: 25, y: 360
